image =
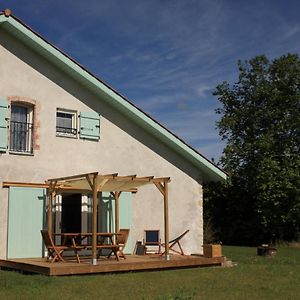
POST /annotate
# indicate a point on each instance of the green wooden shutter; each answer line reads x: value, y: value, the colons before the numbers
x: 89, y: 125
x: 3, y: 125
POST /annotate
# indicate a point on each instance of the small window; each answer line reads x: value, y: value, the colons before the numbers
x: 66, y: 124
x: 21, y: 129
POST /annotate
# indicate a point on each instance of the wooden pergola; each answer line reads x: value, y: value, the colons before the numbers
x: 115, y: 184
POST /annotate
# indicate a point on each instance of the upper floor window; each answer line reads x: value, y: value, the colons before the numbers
x: 66, y: 124
x: 85, y: 125
x: 21, y: 128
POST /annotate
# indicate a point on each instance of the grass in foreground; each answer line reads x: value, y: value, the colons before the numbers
x: 254, y: 278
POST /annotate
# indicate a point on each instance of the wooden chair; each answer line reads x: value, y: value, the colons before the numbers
x: 174, y: 242
x: 75, y: 247
x: 121, y: 241
x: 54, y: 252
x: 152, y: 239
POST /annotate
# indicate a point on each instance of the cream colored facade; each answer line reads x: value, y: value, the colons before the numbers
x: 123, y: 148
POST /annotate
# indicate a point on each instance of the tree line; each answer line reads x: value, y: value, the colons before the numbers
x: 260, y: 122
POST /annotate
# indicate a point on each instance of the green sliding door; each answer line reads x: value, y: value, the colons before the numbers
x: 25, y: 221
x: 107, y: 209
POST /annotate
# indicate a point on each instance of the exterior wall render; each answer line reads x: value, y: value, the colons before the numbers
x: 123, y: 148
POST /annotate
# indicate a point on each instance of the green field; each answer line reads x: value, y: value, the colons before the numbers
x: 253, y: 278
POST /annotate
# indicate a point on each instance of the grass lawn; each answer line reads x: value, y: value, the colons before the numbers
x: 254, y: 278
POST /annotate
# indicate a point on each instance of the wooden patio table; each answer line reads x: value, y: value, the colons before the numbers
x: 77, y: 237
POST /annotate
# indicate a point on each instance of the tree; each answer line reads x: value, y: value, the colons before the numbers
x: 260, y: 121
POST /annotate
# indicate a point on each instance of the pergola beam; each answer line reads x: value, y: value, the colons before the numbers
x: 65, y: 186
x: 161, y: 179
x: 144, y: 179
x: 132, y: 178
x: 128, y: 177
x: 72, y: 177
x: 109, y: 176
x: 7, y: 184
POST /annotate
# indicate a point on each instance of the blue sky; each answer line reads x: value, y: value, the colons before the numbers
x: 167, y: 56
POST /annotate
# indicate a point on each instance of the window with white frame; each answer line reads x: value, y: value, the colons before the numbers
x: 66, y: 123
x: 21, y: 128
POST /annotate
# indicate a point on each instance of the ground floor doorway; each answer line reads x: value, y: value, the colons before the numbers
x: 71, y: 213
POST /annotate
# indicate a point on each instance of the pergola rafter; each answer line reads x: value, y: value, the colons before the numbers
x: 114, y: 184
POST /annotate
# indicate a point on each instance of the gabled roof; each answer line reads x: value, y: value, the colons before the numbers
x: 210, y: 172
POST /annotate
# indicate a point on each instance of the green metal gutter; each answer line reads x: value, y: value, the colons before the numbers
x: 44, y: 48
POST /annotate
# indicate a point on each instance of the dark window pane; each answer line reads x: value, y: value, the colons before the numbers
x: 64, y: 123
x: 19, y: 113
x: 20, y: 130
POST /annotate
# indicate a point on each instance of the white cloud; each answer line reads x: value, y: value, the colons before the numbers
x: 201, y: 91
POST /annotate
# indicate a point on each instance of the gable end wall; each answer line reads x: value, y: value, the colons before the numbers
x: 123, y: 148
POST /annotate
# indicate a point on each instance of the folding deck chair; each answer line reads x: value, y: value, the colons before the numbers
x: 54, y: 252
x: 121, y: 240
x: 174, y: 242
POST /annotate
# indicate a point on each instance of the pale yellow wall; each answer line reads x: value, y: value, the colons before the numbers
x: 123, y: 148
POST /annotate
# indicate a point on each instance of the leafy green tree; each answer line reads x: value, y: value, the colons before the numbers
x: 260, y: 121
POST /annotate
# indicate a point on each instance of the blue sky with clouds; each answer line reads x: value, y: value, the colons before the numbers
x: 167, y: 56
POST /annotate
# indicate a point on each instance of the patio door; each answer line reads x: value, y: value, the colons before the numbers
x: 107, y: 215
x: 71, y: 213
x: 25, y: 221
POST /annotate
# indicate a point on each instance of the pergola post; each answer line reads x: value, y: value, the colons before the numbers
x: 166, y: 219
x: 94, y: 224
x: 117, y: 222
x: 163, y: 188
x: 51, y: 195
x: 50, y: 222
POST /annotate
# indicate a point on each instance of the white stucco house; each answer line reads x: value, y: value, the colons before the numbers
x: 58, y: 119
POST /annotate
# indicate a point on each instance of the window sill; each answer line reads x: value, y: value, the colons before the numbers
x: 21, y: 153
x: 67, y: 136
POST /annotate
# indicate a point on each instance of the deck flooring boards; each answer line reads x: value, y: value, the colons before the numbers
x: 132, y: 263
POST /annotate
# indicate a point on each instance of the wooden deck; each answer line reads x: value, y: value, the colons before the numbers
x: 132, y: 263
